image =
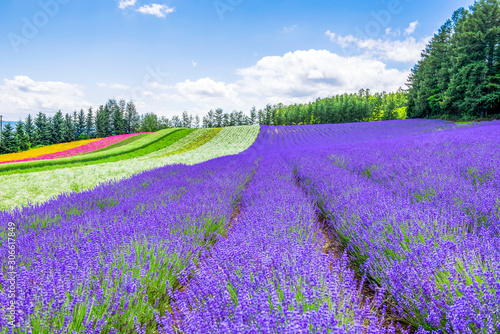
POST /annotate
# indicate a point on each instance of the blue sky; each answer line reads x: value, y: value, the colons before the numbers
x: 169, y: 56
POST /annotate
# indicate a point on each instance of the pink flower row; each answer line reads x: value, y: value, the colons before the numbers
x: 90, y: 147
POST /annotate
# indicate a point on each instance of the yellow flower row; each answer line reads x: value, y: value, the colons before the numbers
x: 36, y: 152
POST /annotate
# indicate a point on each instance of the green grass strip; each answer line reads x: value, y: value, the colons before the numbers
x: 169, y: 139
x: 120, y: 144
x: 138, y: 144
x: 200, y: 141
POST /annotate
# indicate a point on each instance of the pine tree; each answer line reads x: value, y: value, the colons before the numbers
x: 186, y: 122
x: 68, y: 129
x: 132, y: 118
x: 57, y: 125
x: 101, y: 122
x: 9, y: 143
x: 219, y: 118
x: 89, y: 124
x: 21, y: 137
x: 118, y: 121
x: 29, y: 127
x: 253, y: 115
x: 38, y: 133
x: 80, y: 125
x: 114, y: 125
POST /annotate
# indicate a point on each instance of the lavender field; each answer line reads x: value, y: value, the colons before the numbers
x: 377, y: 227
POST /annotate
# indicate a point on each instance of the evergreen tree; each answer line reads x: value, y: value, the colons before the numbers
x: 114, y: 125
x: 118, y: 121
x: 9, y: 143
x: 219, y: 118
x: 80, y: 125
x: 89, y: 124
x: 101, y: 122
x: 29, y: 127
x: 40, y: 123
x: 48, y: 131
x: 186, y: 120
x: 459, y: 73
x: 197, y: 122
x: 56, y: 128
x: 68, y: 129
x: 132, y: 118
x: 253, y: 116
x: 21, y: 137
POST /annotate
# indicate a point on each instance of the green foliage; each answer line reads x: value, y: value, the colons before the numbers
x: 458, y: 74
x: 21, y: 137
x: 9, y: 142
x: 346, y: 108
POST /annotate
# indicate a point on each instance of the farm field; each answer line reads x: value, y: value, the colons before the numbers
x: 380, y: 227
x: 49, y: 179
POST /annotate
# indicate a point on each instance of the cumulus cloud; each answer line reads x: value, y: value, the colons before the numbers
x: 407, y: 50
x: 305, y: 75
x: 294, y: 77
x: 156, y: 10
x: 411, y: 28
x: 22, y: 95
x: 126, y: 3
x: 207, y: 88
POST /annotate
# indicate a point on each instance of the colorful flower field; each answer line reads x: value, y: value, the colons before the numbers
x: 88, y: 146
x: 384, y: 227
x: 36, y: 152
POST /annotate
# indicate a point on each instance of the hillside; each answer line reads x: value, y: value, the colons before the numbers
x: 246, y: 210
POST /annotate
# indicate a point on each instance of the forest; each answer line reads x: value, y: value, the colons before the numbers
x: 458, y: 75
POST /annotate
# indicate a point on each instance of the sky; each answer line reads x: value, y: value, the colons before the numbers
x: 174, y: 55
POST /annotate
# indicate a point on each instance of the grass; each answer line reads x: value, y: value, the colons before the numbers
x: 121, y: 143
x: 200, y: 141
x: 136, y: 145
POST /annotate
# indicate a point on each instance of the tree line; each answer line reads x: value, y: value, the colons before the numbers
x: 113, y: 118
x: 116, y: 118
x: 346, y: 108
x: 458, y: 75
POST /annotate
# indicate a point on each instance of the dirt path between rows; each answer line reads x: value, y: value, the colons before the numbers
x: 385, y: 311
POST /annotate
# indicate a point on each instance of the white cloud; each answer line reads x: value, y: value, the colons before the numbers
x: 126, y: 3
x: 305, y: 75
x: 294, y: 77
x: 206, y: 88
x: 156, y: 10
x: 22, y: 95
x: 407, y: 50
x: 289, y: 29
x: 395, y: 33
x: 194, y: 63
x: 411, y: 28
x: 113, y: 86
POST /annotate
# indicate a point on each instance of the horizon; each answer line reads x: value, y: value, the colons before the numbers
x: 62, y: 54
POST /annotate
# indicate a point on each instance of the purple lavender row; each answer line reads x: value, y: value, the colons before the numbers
x: 269, y: 275
x: 95, y: 270
x: 424, y: 220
